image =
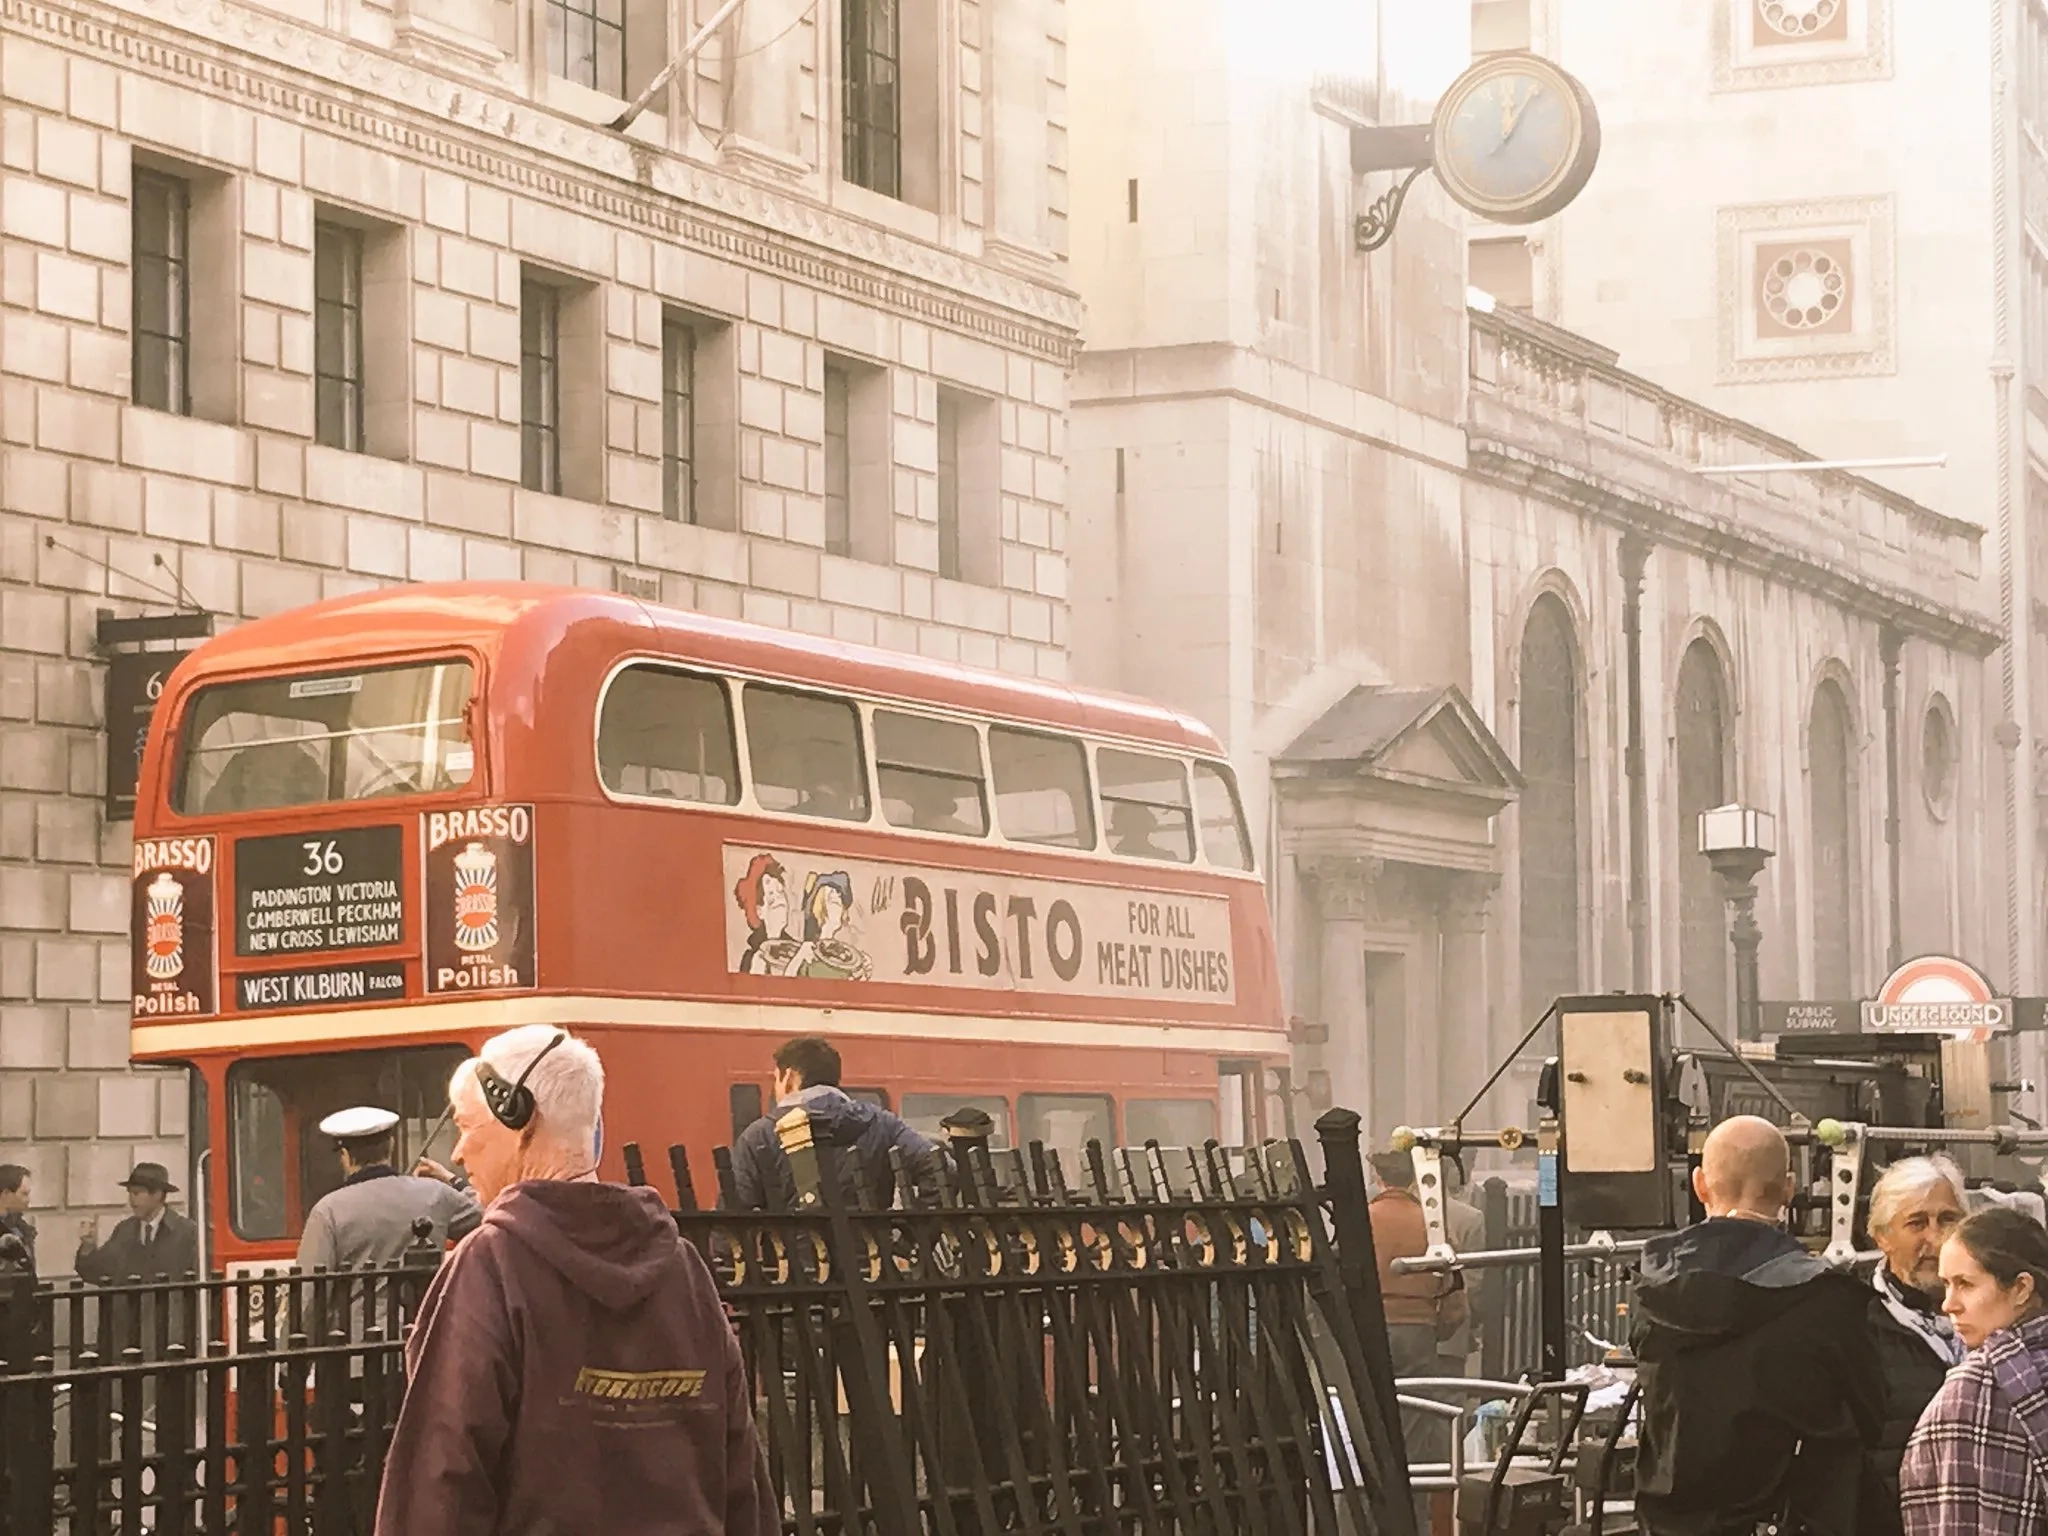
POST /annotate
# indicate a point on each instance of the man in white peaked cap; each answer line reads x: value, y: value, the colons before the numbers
x: 369, y: 1219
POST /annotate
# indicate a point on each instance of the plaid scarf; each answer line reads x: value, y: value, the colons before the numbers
x: 1938, y: 1332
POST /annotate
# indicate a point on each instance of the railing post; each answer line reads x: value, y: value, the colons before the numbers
x: 1359, y: 1272
x: 859, y: 1352
x: 1493, y: 1205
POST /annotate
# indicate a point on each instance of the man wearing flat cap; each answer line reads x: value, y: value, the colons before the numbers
x: 368, y: 1220
x: 154, y: 1242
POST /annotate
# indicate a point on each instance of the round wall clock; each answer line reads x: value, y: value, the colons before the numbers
x: 1515, y: 138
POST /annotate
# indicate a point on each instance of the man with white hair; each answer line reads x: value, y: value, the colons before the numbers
x: 1914, y: 1207
x: 572, y: 1369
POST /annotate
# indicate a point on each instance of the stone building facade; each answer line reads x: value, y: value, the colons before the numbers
x: 1393, y: 548
x: 304, y: 297
x: 1856, y: 257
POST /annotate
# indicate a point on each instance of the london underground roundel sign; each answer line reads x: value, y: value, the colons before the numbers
x: 1937, y: 995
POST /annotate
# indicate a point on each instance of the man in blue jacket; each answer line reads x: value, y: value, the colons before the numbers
x: 807, y: 1074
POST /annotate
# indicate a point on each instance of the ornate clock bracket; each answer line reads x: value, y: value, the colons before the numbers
x: 1407, y: 148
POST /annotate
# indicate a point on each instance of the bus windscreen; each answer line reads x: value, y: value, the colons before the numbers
x: 322, y: 738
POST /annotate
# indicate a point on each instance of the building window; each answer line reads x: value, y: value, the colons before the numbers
x: 1831, y: 758
x: 1702, y: 785
x: 587, y: 43
x: 540, y: 387
x: 1548, y: 719
x: 949, y: 487
x: 678, y: 421
x: 1500, y: 26
x: 160, y: 338
x: 338, y: 336
x: 871, y: 65
x: 838, y: 463
x: 1507, y: 270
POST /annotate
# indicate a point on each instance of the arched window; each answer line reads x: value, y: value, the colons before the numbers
x: 1549, y: 814
x: 1702, y: 784
x: 1832, y: 798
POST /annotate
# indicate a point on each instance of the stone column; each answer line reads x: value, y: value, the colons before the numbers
x: 1464, y: 1042
x: 1015, y: 61
x: 1344, y: 903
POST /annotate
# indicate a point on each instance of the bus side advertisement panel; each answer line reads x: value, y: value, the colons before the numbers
x: 800, y: 913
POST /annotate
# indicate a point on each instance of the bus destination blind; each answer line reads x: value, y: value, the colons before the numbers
x: 311, y: 894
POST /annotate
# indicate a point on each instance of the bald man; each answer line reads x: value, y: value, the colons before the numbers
x: 1762, y: 1393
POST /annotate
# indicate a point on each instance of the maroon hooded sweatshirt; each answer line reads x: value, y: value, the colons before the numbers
x: 573, y: 1372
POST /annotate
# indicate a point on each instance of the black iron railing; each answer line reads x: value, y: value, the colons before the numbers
x: 1181, y: 1341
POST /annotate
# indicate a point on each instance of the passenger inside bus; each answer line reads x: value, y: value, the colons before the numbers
x: 1134, y: 830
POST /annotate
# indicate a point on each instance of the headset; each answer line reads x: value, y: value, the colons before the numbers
x: 511, y: 1104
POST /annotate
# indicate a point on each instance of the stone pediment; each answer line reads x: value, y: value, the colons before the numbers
x: 1427, y: 741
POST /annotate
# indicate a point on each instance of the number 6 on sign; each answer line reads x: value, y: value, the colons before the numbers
x: 322, y: 858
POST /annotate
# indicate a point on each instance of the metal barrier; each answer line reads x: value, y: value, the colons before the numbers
x: 1191, y: 1341
x: 1599, y: 1297
x: 258, y: 1403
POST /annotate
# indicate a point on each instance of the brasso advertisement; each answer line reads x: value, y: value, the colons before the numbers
x: 478, y: 876
x: 827, y: 918
x: 171, y: 928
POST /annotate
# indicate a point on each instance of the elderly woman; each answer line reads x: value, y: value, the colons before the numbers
x: 1977, y: 1465
x: 1914, y: 1207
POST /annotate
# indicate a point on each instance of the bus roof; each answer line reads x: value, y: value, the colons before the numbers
x: 519, y: 618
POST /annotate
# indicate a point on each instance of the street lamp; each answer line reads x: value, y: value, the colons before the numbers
x: 1738, y: 841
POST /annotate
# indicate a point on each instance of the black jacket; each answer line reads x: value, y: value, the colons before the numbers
x: 173, y: 1255
x: 865, y: 1132
x: 1751, y: 1350
x: 1913, y: 1373
x: 25, y: 1230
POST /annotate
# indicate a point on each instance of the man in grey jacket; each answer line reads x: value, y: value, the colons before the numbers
x: 369, y: 1219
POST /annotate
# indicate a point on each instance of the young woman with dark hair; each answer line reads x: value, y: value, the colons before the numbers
x: 1976, y: 1462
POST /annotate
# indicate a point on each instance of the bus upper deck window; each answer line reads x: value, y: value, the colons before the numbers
x: 1145, y: 802
x: 668, y: 735
x: 928, y: 774
x: 311, y: 740
x: 1041, y: 785
x: 1224, y: 843
x: 806, y: 754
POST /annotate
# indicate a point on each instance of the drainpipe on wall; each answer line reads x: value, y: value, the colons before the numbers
x: 1635, y: 557
x: 1888, y: 646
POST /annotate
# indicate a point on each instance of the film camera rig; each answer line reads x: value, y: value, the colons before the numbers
x: 1623, y: 1115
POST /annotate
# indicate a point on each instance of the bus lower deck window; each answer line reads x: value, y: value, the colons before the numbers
x: 1170, y: 1122
x: 1066, y: 1123
x: 313, y: 740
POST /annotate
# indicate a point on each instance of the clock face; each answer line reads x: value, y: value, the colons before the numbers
x: 1515, y: 138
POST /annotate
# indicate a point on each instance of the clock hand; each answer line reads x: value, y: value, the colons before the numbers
x: 1511, y: 123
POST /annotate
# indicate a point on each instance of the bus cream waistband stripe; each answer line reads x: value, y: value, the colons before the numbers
x: 491, y: 1014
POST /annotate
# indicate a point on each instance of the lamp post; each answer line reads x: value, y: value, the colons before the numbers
x: 1738, y: 840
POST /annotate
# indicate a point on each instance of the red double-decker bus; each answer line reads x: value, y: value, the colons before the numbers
x: 373, y: 832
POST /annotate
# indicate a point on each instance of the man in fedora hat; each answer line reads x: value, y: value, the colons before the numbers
x: 154, y: 1242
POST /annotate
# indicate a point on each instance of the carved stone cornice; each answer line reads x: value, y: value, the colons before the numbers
x: 477, y: 130
x: 1670, y: 524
